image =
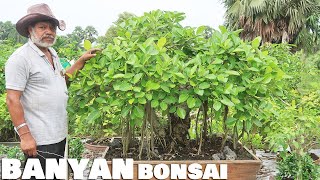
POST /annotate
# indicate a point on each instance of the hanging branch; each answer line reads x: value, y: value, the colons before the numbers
x: 211, y: 117
x: 202, y: 130
x: 205, y: 117
x: 142, y: 136
x: 235, y: 136
x: 225, y: 130
x: 197, y: 121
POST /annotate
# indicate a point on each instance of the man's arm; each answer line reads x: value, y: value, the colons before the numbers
x: 79, y: 64
x: 28, y: 144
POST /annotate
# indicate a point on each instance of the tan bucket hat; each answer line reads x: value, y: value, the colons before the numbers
x: 37, y: 13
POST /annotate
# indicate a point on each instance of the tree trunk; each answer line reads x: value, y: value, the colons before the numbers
x: 180, y: 127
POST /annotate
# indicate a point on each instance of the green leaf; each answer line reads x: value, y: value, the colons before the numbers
x: 193, y: 70
x: 137, y: 77
x: 154, y: 103
x: 267, y: 79
x: 101, y: 100
x: 257, y: 122
x: 256, y: 42
x: 161, y: 42
x: 268, y: 69
x: 253, y: 69
x: 131, y: 101
x: 118, y: 76
x: 170, y: 100
x: 199, y: 91
x: 122, y: 86
x: 138, y: 111
x: 228, y: 88
x: 115, y: 102
x: 201, y: 29
x: 230, y: 72
x: 87, y: 45
x: 211, y: 76
x: 173, y: 109
x: 93, y: 116
x: 165, y: 88
x: 136, y: 89
x: 191, y: 102
x: 235, y: 100
x: 181, y: 113
x: 142, y: 100
x: 132, y: 60
x: 140, y: 94
x: 125, y: 111
x: 204, y: 85
x: 90, y: 83
x: 221, y: 78
x: 217, y: 61
x: 152, y: 51
x: 223, y: 29
x: 179, y: 75
x: 149, y: 96
x: 183, y: 97
x: 163, y: 106
x: 227, y: 101
x: 152, y: 86
x: 231, y: 121
x: 217, y: 105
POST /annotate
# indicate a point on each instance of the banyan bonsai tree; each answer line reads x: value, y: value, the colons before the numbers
x: 161, y: 81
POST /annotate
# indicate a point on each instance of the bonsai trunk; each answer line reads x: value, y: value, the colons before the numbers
x: 179, y: 130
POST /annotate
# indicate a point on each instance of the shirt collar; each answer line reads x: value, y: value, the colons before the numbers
x: 34, y: 47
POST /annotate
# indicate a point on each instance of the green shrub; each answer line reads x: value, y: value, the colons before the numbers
x: 76, y: 148
x: 13, y: 152
x: 157, y: 73
x: 298, y: 167
x: 7, y: 132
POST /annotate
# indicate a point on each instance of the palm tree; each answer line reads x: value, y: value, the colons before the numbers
x: 275, y: 21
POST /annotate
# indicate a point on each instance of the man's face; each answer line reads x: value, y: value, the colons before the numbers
x: 43, y: 34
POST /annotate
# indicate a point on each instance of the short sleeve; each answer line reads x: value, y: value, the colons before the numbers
x: 16, y: 73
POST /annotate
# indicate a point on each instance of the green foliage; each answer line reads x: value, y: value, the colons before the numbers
x: 299, y: 167
x: 13, y: 152
x: 310, y: 75
x: 8, y: 32
x: 289, y: 62
x: 6, y: 127
x: 67, y: 48
x: 295, y: 117
x: 76, y: 148
x: 156, y: 64
x: 296, y: 126
x: 7, y: 47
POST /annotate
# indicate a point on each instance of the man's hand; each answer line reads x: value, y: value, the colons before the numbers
x: 79, y: 64
x: 28, y: 145
x: 89, y: 54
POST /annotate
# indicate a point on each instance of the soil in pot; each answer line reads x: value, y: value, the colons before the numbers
x: 97, y: 144
x: 210, y: 151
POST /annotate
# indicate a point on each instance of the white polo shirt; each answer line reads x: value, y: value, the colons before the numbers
x: 44, y: 92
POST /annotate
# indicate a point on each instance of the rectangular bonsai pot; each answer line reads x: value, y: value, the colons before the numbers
x: 237, y: 169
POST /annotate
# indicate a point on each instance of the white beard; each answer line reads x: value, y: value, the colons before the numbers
x: 38, y: 41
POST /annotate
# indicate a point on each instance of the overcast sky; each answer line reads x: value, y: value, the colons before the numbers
x: 101, y: 13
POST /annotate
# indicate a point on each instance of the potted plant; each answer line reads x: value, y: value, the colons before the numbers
x: 173, y: 86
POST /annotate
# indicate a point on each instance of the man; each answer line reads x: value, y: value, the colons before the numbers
x: 36, y: 86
